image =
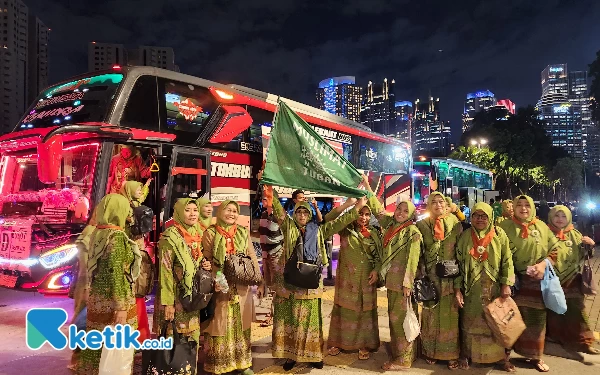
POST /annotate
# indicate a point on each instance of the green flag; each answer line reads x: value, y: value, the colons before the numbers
x: 299, y: 158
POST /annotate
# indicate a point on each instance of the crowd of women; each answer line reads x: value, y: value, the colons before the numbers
x: 495, y: 256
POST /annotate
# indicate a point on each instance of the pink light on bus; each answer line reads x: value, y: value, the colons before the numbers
x: 224, y: 95
x: 116, y: 67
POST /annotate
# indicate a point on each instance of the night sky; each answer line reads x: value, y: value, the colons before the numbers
x: 286, y: 47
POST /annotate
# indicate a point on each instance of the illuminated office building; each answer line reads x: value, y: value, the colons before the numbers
x: 23, y: 61
x: 555, y: 80
x: 562, y: 122
x: 429, y: 134
x: 379, y: 107
x: 404, y: 119
x: 510, y: 106
x: 340, y: 96
x: 579, y: 95
x: 476, y: 102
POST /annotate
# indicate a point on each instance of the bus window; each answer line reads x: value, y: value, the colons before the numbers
x: 250, y: 140
x: 141, y: 111
x: 187, y: 108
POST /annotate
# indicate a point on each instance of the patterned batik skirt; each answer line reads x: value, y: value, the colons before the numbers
x: 100, y: 315
x: 297, y: 329
x: 403, y: 352
x: 476, y: 337
x: 531, y: 305
x: 234, y: 350
x: 572, y: 329
x: 439, y: 330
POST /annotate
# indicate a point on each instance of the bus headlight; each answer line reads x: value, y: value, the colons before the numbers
x: 58, y: 256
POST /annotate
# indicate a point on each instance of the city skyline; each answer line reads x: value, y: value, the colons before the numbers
x: 500, y: 46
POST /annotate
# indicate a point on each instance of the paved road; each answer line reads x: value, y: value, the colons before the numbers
x: 17, y: 359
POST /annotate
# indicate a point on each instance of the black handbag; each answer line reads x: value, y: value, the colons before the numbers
x: 424, y: 287
x: 181, y: 359
x: 208, y: 312
x: 302, y: 274
x: 447, y: 269
x: 203, y: 287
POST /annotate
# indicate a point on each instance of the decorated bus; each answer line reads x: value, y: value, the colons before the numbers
x: 462, y: 181
x: 84, y: 137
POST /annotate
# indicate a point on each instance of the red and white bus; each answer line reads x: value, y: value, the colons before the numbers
x: 85, y: 136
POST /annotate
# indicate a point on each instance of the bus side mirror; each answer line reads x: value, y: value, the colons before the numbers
x: 235, y: 121
x: 49, y: 159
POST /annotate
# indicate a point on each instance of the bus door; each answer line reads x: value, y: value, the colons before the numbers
x: 188, y: 177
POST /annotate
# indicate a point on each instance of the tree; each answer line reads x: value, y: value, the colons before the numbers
x: 567, y: 175
x: 595, y: 87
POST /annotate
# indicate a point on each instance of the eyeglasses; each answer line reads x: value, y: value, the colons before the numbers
x: 302, y: 212
x: 480, y: 217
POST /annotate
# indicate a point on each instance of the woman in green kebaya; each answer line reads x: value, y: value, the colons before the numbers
x: 439, y: 331
x: 487, y: 272
x: 112, y: 267
x: 572, y: 329
x: 531, y: 243
x: 227, y: 334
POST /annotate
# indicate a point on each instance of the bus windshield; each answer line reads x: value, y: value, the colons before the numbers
x: 66, y: 200
x: 82, y: 100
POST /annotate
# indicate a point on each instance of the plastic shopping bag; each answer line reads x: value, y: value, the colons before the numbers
x: 116, y: 361
x: 552, y: 292
x: 411, y: 326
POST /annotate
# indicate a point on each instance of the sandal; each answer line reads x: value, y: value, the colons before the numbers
x: 363, y: 354
x: 267, y: 322
x: 333, y: 351
x: 391, y: 366
x: 508, y: 367
x: 591, y: 350
x: 430, y: 361
x: 541, y: 366
x: 463, y: 364
x: 453, y: 365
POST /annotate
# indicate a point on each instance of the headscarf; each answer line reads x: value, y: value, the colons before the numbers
x: 482, y: 238
x: 505, y: 204
x: 128, y: 191
x: 396, y: 227
x: 224, y: 242
x: 531, y: 220
x: 438, y: 229
x: 182, y: 238
x: 204, y: 222
x: 363, y: 229
x: 448, y: 202
x: 112, y: 213
x: 561, y: 232
x: 303, y: 205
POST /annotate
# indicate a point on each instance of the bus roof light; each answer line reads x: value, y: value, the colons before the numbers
x: 224, y: 95
x: 116, y: 67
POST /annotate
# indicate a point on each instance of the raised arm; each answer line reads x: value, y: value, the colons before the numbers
x: 319, y: 217
x: 336, y: 212
x: 332, y: 227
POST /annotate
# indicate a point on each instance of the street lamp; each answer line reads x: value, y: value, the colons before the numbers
x: 479, y: 142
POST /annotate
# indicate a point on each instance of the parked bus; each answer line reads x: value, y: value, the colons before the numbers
x: 82, y: 138
x: 462, y: 181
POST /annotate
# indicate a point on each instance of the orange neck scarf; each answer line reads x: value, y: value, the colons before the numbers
x: 193, y: 242
x: 108, y: 226
x: 438, y: 229
x: 481, y: 243
x: 365, y: 231
x: 561, y: 233
x: 524, y: 226
x: 229, y: 237
x: 390, y: 233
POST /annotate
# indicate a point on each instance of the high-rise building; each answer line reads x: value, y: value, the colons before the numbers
x: 555, y: 80
x: 476, y: 102
x: 340, y: 96
x: 579, y: 95
x: 379, y: 107
x: 102, y: 56
x: 23, y: 61
x: 38, y: 57
x: 160, y: 57
x: 510, y: 106
x: 562, y: 122
x: 429, y: 133
x: 404, y: 118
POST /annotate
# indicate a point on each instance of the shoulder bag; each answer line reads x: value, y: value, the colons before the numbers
x: 302, y: 274
x: 202, y: 291
x: 424, y: 287
x: 240, y: 268
x: 588, y: 286
x: 181, y: 359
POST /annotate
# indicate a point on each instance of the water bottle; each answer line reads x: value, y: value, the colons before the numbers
x: 222, y: 282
